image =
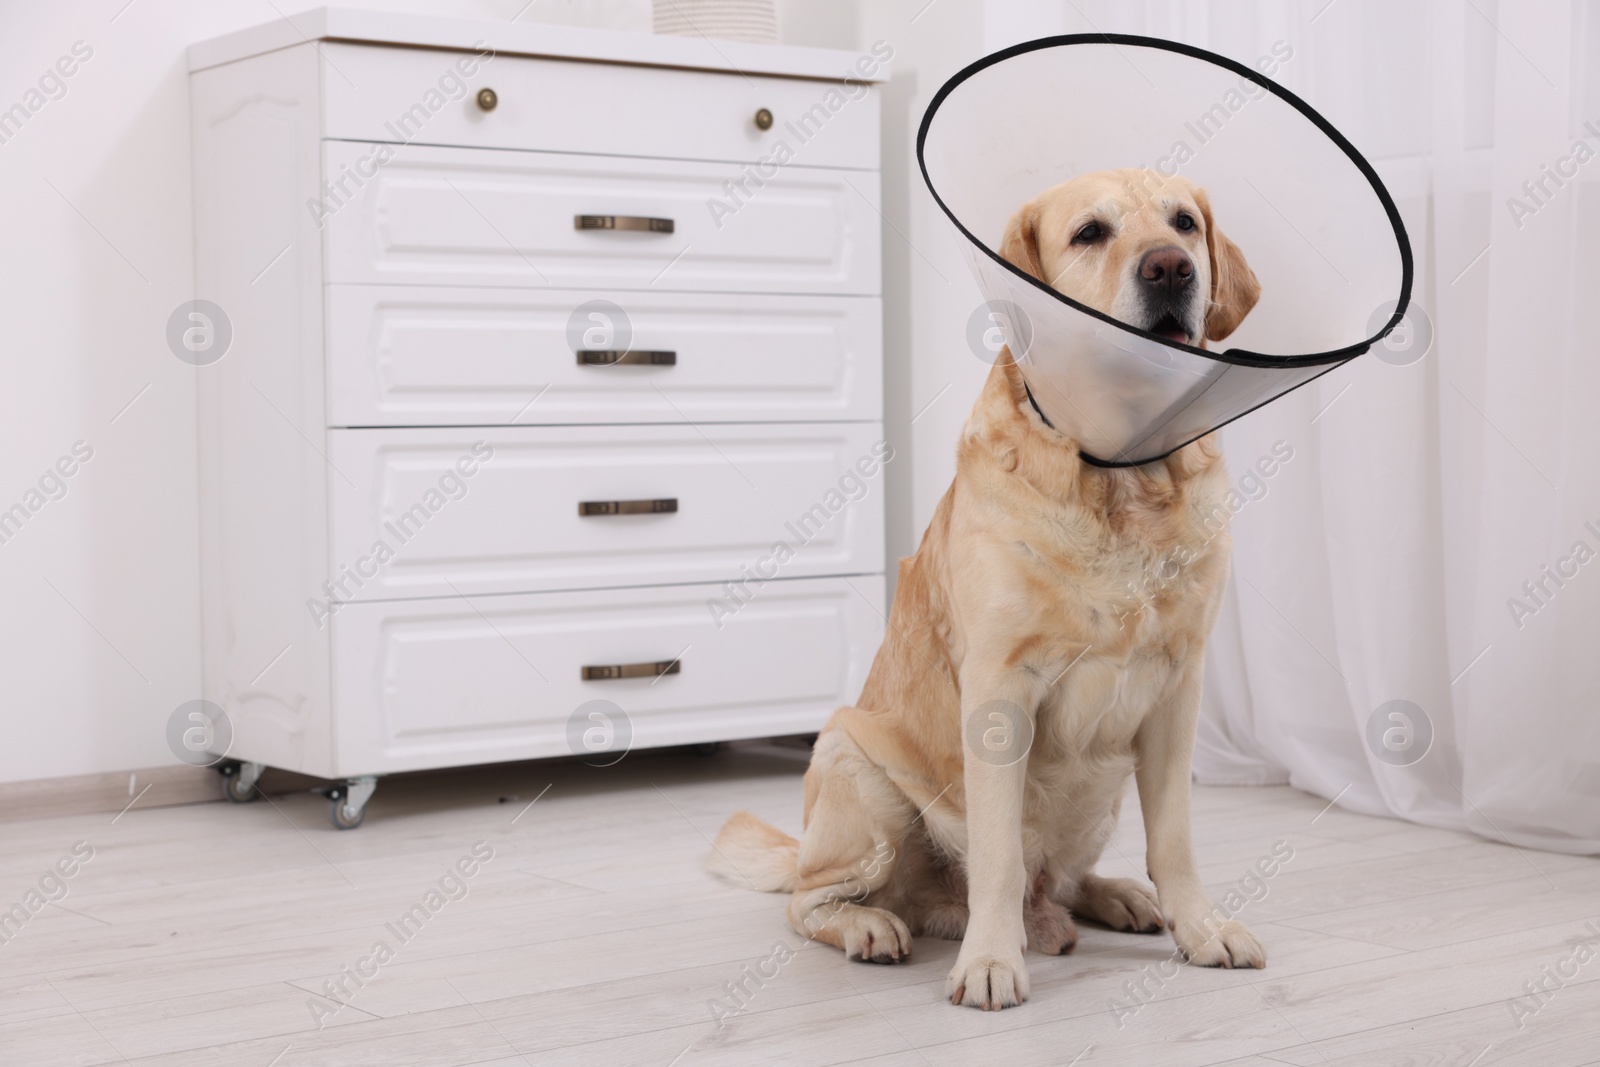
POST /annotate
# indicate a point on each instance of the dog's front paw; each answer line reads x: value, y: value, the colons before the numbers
x: 1219, y: 944
x: 987, y: 982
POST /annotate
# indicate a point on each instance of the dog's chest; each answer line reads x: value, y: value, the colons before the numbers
x: 1098, y: 703
x: 1115, y: 634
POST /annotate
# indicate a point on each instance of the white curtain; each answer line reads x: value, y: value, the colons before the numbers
x: 1435, y: 537
x: 1386, y: 560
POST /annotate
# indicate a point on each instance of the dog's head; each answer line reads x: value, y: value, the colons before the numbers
x: 1140, y: 247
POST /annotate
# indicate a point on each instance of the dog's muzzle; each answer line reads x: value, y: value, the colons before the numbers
x: 1167, y: 294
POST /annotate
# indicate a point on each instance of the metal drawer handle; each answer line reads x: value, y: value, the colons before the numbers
x: 610, y: 357
x: 641, y: 223
x: 488, y: 99
x: 632, y: 670
x: 662, y: 506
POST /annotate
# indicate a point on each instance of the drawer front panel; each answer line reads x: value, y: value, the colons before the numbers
x: 424, y: 97
x: 404, y: 355
x: 480, y: 679
x: 499, y: 510
x: 453, y: 216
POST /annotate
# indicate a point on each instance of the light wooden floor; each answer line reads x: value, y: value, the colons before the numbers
x: 198, y: 935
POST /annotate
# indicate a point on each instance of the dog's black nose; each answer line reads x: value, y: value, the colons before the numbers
x: 1166, y: 268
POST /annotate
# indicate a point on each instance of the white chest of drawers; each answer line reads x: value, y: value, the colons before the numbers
x: 442, y: 511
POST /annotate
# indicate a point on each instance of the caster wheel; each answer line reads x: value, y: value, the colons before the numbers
x: 707, y: 748
x: 237, y: 791
x: 348, y: 807
x: 239, y: 780
x: 340, y: 816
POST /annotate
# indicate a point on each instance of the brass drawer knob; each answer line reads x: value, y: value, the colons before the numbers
x: 763, y: 119
x: 488, y: 99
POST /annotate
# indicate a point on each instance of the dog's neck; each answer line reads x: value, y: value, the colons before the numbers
x: 1006, y: 423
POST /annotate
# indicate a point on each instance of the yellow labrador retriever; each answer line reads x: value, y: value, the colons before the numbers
x: 1044, y: 643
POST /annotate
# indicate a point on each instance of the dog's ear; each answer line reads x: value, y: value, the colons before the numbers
x: 1020, y: 245
x: 1234, y: 288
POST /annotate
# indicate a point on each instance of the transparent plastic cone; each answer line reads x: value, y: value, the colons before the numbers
x: 1313, y: 220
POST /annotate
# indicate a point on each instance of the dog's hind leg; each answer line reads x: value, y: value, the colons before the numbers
x: 1120, y: 903
x: 855, y: 822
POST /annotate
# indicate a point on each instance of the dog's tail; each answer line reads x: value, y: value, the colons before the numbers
x: 753, y: 855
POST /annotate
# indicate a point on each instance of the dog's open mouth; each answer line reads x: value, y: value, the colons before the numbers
x: 1169, y: 327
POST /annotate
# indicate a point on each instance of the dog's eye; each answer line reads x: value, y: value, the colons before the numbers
x: 1089, y: 234
x: 1184, y: 222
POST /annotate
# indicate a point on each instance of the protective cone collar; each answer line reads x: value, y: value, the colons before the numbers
x: 1309, y: 213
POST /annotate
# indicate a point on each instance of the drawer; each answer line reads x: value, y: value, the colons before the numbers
x: 483, y: 217
x: 497, y: 510
x: 476, y: 680
x: 407, y: 355
x: 416, y: 96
